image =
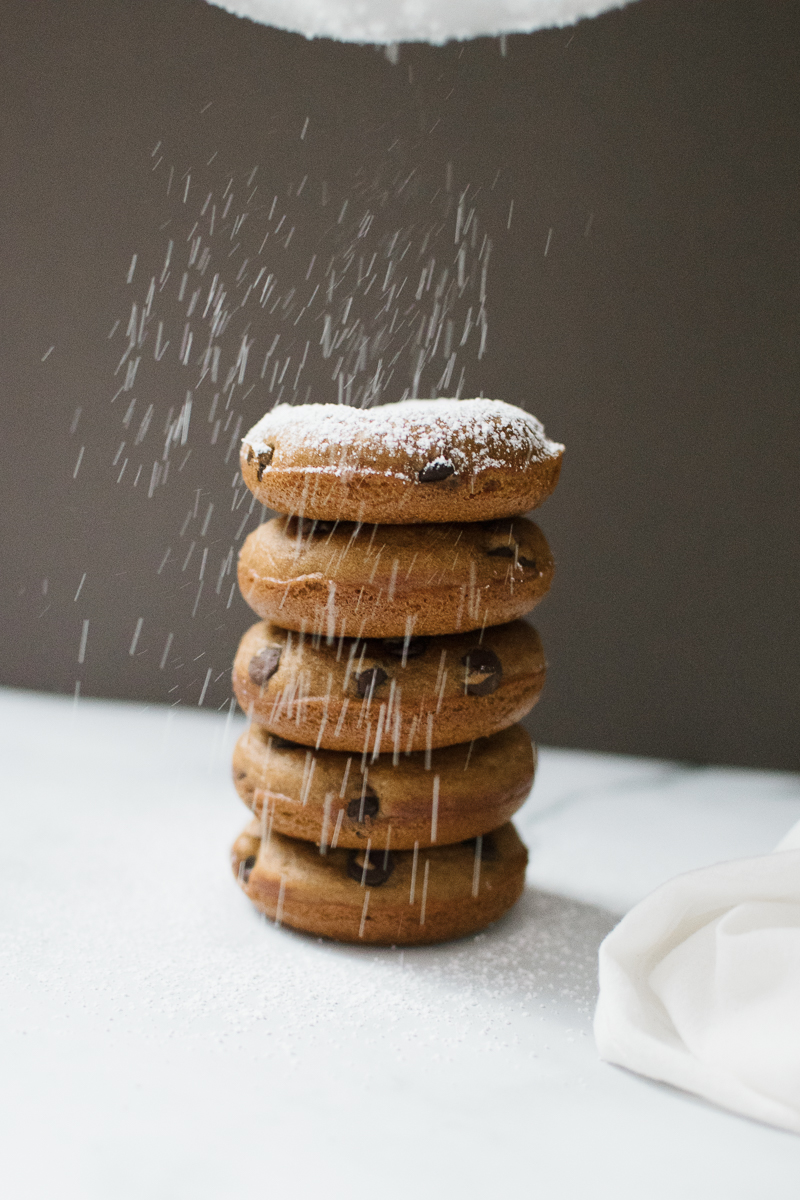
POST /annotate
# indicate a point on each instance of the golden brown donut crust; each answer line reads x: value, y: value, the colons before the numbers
x: 390, y: 580
x: 325, y: 796
x: 361, y: 695
x: 417, y: 461
x: 429, y: 896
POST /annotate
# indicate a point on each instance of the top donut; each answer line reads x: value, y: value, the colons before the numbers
x: 399, y: 464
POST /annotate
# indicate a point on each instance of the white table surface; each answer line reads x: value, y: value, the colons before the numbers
x: 159, y: 1039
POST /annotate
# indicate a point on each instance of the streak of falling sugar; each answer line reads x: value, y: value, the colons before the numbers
x: 435, y: 808
x: 476, y: 870
x: 424, y: 891
x: 281, y: 895
x: 429, y: 741
x: 337, y: 830
x: 364, y: 913
x: 199, y: 320
x: 414, y: 865
x: 84, y: 638
x: 326, y: 816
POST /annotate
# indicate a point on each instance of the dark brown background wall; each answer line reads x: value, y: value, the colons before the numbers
x: 657, y: 335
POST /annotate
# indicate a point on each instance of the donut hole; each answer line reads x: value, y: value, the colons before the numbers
x: 246, y: 867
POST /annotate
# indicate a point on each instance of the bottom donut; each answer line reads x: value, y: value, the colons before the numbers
x: 400, y: 898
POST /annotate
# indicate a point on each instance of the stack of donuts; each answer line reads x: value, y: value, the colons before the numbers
x: 383, y: 758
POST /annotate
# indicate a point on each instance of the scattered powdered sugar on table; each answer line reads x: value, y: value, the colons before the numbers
x: 169, y: 1041
x: 415, y: 429
x: 150, y: 933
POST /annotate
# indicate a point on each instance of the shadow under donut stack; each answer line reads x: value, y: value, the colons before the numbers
x: 383, y: 759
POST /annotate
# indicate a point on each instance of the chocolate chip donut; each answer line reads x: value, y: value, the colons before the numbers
x: 328, y: 797
x: 392, y: 694
x: 390, y: 580
x: 399, y: 464
x: 386, y: 897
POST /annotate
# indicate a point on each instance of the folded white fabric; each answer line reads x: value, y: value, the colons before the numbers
x: 700, y: 985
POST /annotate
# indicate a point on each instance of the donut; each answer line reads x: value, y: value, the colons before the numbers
x: 391, y: 580
x: 394, y: 694
x: 400, y: 464
x: 386, y: 897
x: 325, y: 796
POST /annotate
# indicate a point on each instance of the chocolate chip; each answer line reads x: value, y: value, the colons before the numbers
x: 264, y: 665
x: 363, y: 807
x: 264, y: 459
x: 368, y: 682
x: 481, y: 659
x: 247, y: 867
x: 484, y: 672
x: 401, y: 648
x: 434, y: 472
x: 378, y: 868
x: 250, y: 454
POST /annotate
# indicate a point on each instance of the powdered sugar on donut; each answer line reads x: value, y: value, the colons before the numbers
x: 473, y: 435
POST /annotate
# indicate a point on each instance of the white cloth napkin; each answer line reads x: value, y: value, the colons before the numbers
x: 700, y: 985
